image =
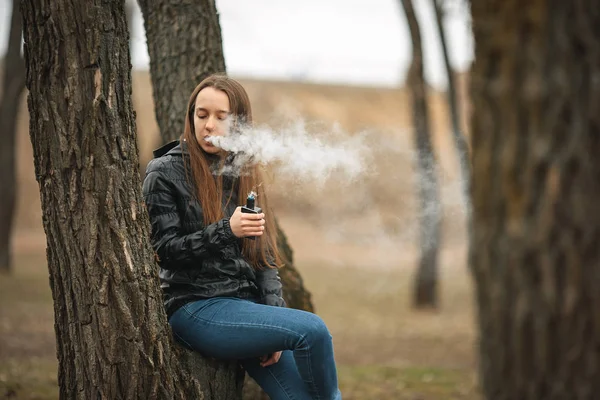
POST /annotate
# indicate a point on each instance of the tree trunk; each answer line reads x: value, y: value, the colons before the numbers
x: 294, y: 292
x: 129, y: 14
x: 534, y: 250
x: 425, y: 290
x: 112, y: 336
x: 184, y: 44
x: 13, y: 84
x: 460, y: 142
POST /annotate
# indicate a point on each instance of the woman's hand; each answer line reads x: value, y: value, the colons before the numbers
x: 243, y: 225
x: 265, y: 361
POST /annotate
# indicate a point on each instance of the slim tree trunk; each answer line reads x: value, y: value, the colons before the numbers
x: 13, y: 84
x: 425, y: 289
x: 129, y: 13
x: 460, y: 142
x: 113, y: 340
x: 184, y: 44
x: 535, y: 253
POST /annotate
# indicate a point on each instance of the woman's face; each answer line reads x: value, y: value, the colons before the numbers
x: 211, y: 117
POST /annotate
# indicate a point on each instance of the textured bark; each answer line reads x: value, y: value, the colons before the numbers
x: 184, y: 44
x: 460, y: 142
x: 425, y: 289
x: 534, y: 250
x: 112, y: 336
x: 13, y: 84
x: 129, y: 13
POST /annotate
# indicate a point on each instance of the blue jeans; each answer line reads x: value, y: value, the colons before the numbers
x: 232, y: 328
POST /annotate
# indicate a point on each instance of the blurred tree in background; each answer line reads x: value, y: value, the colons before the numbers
x: 534, y: 252
x: 430, y: 209
x: 13, y: 84
x: 458, y: 136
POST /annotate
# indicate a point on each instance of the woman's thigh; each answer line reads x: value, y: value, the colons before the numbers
x: 230, y: 328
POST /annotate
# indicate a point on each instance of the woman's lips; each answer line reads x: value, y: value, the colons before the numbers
x: 207, y: 141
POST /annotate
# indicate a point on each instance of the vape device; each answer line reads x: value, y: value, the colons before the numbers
x: 250, y: 208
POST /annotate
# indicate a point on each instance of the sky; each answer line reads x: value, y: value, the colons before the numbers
x: 355, y: 42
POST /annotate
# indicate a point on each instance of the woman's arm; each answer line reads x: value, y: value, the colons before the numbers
x: 270, y: 287
x: 175, y: 250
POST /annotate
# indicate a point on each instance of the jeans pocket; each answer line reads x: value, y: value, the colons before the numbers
x: 206, y: 310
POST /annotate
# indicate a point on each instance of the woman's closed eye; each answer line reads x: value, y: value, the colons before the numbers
x: 220, y: 118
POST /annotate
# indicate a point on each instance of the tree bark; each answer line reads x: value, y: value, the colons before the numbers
x: 294, y: 292
x: 185, y: 46
x: 460, y: 142
x: 129, y: 13
x: 113, y: 340
x: 534, y: 250
x: 425, y: 289
x: 13, y: 84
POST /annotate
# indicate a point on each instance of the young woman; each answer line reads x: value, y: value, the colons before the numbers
x: 222, y: 290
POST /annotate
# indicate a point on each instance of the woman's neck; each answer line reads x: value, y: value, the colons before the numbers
x: 212, y: 158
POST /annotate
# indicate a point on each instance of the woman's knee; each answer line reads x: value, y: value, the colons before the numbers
x: 316, y: 330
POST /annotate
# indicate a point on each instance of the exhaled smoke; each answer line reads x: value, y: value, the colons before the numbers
x: 295, y: 152
x: 382, y: 205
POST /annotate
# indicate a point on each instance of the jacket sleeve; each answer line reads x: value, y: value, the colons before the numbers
x: 269, y: 284
x: 174, y: 249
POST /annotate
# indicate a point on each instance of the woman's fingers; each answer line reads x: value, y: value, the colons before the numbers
x: 271, y: 359
x: 253, y: 223
x: 244, y: 225
x: 252, y: 217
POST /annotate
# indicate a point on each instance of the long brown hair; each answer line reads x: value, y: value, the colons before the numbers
x: 209, y: 188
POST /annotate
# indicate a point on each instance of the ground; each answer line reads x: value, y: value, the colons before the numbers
x: 355, y: 245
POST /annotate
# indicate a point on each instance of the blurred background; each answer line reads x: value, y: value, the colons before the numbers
x: 336, y: 64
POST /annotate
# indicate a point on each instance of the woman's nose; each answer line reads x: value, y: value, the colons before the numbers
x: 210, y: 124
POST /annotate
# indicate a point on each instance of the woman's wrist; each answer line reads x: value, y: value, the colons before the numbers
x: 229, y: 235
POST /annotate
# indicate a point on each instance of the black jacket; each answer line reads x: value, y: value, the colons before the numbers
x: 197, y: 261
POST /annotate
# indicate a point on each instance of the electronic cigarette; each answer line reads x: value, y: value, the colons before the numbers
x: 250, y: 208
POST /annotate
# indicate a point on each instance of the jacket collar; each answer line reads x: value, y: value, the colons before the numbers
x: 173, y: 147
x: 177, y: 148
